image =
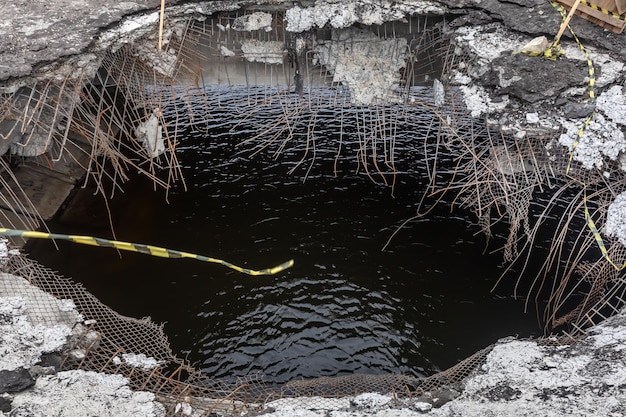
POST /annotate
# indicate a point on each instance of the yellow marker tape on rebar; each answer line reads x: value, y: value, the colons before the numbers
x: 551, y: 53
x: 592, y: 96
x: 596, y: 234
x: 590, y: 86
x: 141, y: 248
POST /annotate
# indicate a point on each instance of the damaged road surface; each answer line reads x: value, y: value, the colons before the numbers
x: 555, y: 126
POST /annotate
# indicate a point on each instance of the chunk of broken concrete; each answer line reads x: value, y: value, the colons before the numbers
x: 15, y: 381
x: 536, y: 46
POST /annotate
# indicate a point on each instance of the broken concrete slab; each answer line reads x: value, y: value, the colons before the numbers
x: 15, y: 381
x: 370, y: 66
x: 41, y: 31
x: 530, y: 79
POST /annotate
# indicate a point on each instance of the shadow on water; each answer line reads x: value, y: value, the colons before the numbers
x: 346, y: 306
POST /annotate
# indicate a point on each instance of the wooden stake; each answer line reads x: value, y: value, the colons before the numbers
x: 161, y: 17
x: 566, y: 22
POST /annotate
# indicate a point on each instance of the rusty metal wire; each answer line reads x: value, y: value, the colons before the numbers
x: 474, y: 166
x: 173, y: 380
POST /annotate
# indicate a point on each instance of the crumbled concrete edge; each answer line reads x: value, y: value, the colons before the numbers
x: 527, y: 96
x: 346, y: 13
x: 368, y: 65
x: 81, y: 393
x: 616, y: 218
x: 509, y: 98
x: 35, y: 327
x: 494, y: 88
x: 583, y: 379
x: 518, y: 378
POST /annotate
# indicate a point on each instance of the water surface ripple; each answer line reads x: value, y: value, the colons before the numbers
x: 346, y: 306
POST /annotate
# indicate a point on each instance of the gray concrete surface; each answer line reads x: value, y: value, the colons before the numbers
x: 35, y: 32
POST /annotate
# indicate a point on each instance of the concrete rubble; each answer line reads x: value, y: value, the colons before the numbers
x: 35, y: 329
x: 368, y: 65
x: 45, y: 40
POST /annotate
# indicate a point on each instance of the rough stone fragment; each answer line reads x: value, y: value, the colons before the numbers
x: 423, y: 407
x: 253, y: 21
x: 532, y: 79
x: 532, y: 117
x: 5, y: 403
x: 602, y: 140
x: 536, y: 46
x: 268, y: 52
x: 577, y: 110
x: 538, y: 18
x: 369, y: 401
x: 439, y: 93
x: 616, y: 219
x: 613, y: 104
x: 15, y: 381
x: 36, y: 323
x: 345, y: 13
x: 368, y: 65
x: 150, y: 134
x: 80, y: 393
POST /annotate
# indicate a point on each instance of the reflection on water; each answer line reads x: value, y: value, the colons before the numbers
x: 346, y: 306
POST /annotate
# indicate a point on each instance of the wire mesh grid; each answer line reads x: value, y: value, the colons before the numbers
x: 108, y: 336
x: 292, y: 82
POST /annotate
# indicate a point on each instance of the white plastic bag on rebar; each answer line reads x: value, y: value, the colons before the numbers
x: 150, y: 133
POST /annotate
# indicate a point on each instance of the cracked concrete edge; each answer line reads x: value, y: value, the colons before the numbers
x: 55, y: 40
x: 512, y: 114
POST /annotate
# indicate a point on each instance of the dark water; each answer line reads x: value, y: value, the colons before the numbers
x: 346, y: 306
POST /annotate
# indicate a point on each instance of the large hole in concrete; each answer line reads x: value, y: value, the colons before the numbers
x: 418, y: 307
x: 359, y: 149
x: 330, y: 198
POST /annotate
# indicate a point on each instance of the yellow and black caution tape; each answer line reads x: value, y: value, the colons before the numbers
x: 592, y: 96
x: 603, y: 10
x: 590, y: 86
x: 596, y: 233
x: 552, y: 52
x: 141, y: 248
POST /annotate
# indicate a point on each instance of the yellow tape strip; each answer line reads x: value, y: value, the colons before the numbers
x: 146, y: 249
x: 592, y: 96
x: 552, y: 53
x: 603, y: 10
x: 596, y: 233
x: 591, y: 85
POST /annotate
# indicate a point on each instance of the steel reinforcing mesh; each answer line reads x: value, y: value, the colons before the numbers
x: 174, y: 381
x: 494, y: 175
